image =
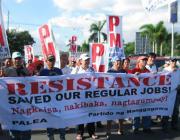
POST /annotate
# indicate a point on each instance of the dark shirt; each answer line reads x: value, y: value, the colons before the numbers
x: 16, y: 72
x: 52, y: 72
x: 116, y: 71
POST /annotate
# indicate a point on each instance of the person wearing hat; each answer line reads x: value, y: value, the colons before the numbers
x: 175, y: 116
x: 52, y: 71
x: 166, y: 64
x: 116, y: 68
x: 140, y: 65
x: 172, y: 65
x: 17, y: 70
x: 146, y: 120
x: 84, y: 65
x: 85, y: 68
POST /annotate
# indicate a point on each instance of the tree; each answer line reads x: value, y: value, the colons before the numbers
x: 161, y: 36
x: 78, y: 48
x: 157, y: 34
x: 95, y: 29
x: 167, y: 45
x: 17, y: 40
x: 176, y: 44
x: 129, y: 49
x: 85, y: 47
x: 148, y: 31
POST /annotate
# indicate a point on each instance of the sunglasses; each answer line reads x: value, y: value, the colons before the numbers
x: 51, y: 60
x: 18, y: 58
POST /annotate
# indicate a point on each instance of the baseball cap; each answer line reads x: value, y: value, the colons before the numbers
x: 51, y: 57
x: 84, y: 56
x: 16, y: 55
x: 173, y: 59
x: 142, y: 58
x: 116, y: 58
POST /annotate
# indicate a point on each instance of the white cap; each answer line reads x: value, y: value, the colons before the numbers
x: 116, y: 58
x: 16, y: 55
x: 84, y: 56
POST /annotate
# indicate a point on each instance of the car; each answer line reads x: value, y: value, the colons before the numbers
x: 159, y: 61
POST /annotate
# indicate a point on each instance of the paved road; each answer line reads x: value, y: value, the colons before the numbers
x: 156, y: 135
x: 128, y: 134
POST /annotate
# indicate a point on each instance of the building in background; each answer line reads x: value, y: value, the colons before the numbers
x: 142, y: 44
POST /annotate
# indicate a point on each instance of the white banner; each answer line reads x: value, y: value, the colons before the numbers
x: 151, y: 5
x: 60, y: 101
x: 4, y: 47
x: 114, y: 33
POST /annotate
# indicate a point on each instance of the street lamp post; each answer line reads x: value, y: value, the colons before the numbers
x: 172, y: 41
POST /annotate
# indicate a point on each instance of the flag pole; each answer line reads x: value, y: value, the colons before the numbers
x: 172, y: 40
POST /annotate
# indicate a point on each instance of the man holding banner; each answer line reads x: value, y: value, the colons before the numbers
x: 17, y: 70
x: 116, y: 68
x: 146, y: 120
x: 175, y: 116
x: 85, y: 68
x: 52, y: 71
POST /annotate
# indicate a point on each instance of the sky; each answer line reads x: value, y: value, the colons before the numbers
x: 74, y: 17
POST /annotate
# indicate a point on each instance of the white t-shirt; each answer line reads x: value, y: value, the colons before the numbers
x: 81, y: 70
x: 175, y: 74
x: 66, y: 70
x: 152, y: 68
x: 168, y: 69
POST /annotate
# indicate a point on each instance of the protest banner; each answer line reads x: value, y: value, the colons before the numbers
x: 73, y: 46
x: 99, y: 55
x: 48, y: 43
x: 28, y: 52
x: 114, y: 33
x: 60, y: 101
x: 4, y: 47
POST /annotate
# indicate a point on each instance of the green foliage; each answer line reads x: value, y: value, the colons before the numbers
x: 177, y: 44
x: 167, y: 45
x: 17, y: 40
x: 129, y: 49
x: 85, y: 47
x: 159, y: 37
x: 95, y: 29
x: 78, y: 48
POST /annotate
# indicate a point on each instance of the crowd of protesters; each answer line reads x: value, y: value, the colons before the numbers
x: 15, y: 67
